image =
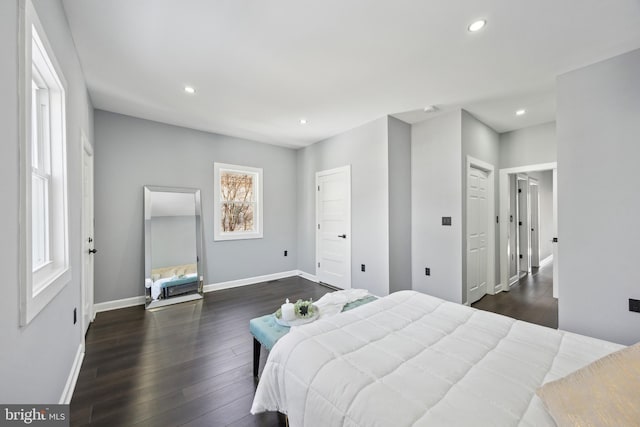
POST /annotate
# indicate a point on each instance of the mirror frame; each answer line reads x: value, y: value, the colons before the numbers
x: 148, y: 190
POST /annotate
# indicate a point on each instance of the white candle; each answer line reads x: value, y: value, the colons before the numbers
x: 288, y: 311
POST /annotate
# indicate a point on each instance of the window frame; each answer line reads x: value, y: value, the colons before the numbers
x: 38, y: 65
x: 219, y: 234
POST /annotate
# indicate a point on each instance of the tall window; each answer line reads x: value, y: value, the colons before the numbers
x: 238, y: 202
x: 44, y: 231
x: 40, y: 171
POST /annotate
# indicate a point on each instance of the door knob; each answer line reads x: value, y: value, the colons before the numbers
x: 93, y: 251
x: 344, y: 236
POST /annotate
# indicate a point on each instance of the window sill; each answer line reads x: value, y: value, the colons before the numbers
x: 236, y: 236
x: 49, y: 288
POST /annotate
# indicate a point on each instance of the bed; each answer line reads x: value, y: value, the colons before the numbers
x: 410, y: 359
x: 167, y: 282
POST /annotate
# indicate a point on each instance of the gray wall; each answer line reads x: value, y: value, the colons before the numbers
x: 436, y: 192
x: 131, y: 153
x: 36, y: 360
x: 365, y: 149
x: 173, y: 240
x: 483, y: 143
x: 399, y: 205
x: 598, y: 152
x: 528, y: 146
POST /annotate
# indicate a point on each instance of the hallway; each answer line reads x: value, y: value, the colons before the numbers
x: 531, y: 299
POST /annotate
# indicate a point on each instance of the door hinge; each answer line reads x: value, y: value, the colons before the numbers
x: 318, y: 265
x: 497, y: 220
x: 318, y: 188
x: 318, y: 226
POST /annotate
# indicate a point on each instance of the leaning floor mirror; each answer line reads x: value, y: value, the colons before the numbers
x: 173, y: 245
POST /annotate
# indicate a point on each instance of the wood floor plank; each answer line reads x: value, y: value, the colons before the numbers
x: 191, y: 363
x: 185, y: 363
x: 531, y: 299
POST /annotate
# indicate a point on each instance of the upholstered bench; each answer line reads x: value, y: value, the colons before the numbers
x: 266, y: 331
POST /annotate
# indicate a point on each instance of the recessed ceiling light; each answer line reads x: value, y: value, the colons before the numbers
x: 520, y: 112
x: 477, y: 26
x: 430, y: 109
x: 303, y: 121
x: 189, y: 89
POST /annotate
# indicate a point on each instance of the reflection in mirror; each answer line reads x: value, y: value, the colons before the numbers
x: 173, y: 267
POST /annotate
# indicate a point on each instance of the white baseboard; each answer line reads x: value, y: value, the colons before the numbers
x: 173, y: 300
x: 130, y: 302
x: 308, y: 276
x: 120, y: 303
x: 67, y: 392
x: 546, y: 261
x: 249, y: 281
x: 514, y: 279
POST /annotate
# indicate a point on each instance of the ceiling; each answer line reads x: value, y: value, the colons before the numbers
x: 259, y: 66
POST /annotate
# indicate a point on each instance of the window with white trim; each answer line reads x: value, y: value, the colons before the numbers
x: 237, y: 202
x: 44, y: 225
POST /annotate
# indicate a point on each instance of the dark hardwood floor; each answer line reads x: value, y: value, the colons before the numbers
x: 191, y: 364
x: 531, y: 299
x: 186, y: 364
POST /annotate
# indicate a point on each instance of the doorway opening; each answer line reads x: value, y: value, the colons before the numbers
x: 515, y: 246
x: 528, y: 245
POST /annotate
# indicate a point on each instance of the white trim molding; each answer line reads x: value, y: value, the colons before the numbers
x: 249, y: 281
x: 120, y: 303
x: 514, y: 279
x: 139, y: 300
x: 70, y: 385
x: 308, y: 276
x: 546, y: 261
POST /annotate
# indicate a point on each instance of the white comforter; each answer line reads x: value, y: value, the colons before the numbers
x: 412, y: 359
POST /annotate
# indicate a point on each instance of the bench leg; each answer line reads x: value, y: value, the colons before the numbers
x: 256, y: 357
x: 283, y: 420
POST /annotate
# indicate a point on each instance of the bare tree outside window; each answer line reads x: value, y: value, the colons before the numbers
x: 237, y: 202
x: 237, y: 197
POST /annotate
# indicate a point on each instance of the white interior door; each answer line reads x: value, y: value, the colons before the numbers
x: 333, y: 234
x: 512, y: 230
x: 87, y: 235
x: 477, y: 234
x: 556, y: 264
x: 534, y: 200
x: 523, y: 225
